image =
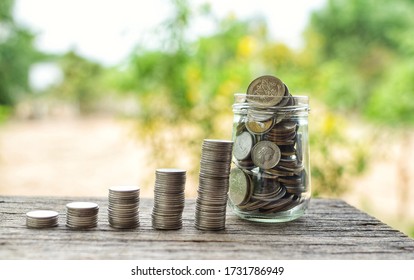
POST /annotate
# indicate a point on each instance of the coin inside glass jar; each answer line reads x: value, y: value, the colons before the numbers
x: 242, y: 146
x: 259, y: 127
x: 266, y: 154
x: 239, y: 186
x: 277, y: 165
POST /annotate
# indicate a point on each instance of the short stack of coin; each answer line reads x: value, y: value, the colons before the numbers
x: 210, y: 213
x: 123, y: 207
x: 42, y: 219
x: 82, y: 215
x: 169, y: 198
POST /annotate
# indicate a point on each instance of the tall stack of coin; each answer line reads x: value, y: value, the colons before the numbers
x: 169, y: 198
x: 270, y: 175
x: 210, y: 212
x: 82, y: 215
x: 42, y: 219
x: 123, y: 206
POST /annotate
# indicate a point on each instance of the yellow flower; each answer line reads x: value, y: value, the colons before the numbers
x: 246, y: 46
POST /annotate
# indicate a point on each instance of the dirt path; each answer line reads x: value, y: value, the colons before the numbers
x: 386, y: 190
x: 70, y: 157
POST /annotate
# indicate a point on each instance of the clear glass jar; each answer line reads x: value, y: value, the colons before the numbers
x: 270, y: 176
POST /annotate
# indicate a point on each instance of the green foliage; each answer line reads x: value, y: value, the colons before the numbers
x: 185, y: 88
x: 81, y: 84
x: 361, y: 49
x: 185, y: 92
x: 5, y: 112
x: 197, y: 80
x: 335, y: 158
x: 352, y: 28
x: 393, y: 100
x: 16, y: 56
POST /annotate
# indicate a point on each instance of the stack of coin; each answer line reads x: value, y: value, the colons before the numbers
x: 210, y: 213
x: 270, y: 175
x: 169, y: 198
x: 81, y: 215
x: 123, y: 206
x: 42, y: 219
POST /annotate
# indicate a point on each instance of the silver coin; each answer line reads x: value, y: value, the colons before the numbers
x: 272, y: 197
x: 218, y: 142
x: 42, y: 214
x: 79, y: 206
x: 171, y: 170
x: 81, y: 213
x: 42, y: 219
x: 124, y: 189
x: 279, y: 172
x: 124, y: 219
x: 242, y: 146
x: 286, y: 100
x: 259, y: 127
x: 215, y: 166
x: 125, y: 226
x: 84, y: 226
x: 169, y: 198
x: 266, y: 91
x: 123, y: 207
x: 265, y: 154
x: 278, y: 205
x: 239, y: 186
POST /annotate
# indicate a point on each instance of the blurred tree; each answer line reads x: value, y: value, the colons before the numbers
x: 16, y: 55
x: 185, y: 88
x: 364, y: 49
x: 185, y: 91
x: 358, y: 42
x: 81, y: 84
x: 335, y: 157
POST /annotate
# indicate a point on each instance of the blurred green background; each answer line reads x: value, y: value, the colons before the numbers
x: 356, y: 64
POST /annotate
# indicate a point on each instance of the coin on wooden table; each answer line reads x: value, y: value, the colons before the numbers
x: 81, y: 208
x: 124, y: 191
x: 265, y: 154
x: 42, y: 219
x: 215, y: 163
x: 169, y: 198
x: 123, y: 206
x: 81, y: 215
x: 266, y: 91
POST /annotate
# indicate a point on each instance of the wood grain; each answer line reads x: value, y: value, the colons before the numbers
x: 331, y: 229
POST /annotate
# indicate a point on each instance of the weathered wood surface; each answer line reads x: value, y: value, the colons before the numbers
x: 331, y: 229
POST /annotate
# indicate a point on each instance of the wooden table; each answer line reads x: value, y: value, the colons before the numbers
x: 331, y: 229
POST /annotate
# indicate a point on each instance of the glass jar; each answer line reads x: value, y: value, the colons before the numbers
x: 270, y: 175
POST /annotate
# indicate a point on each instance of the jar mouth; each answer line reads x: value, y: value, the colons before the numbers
x: 269, y: 103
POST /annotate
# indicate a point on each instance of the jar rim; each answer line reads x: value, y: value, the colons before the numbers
x: 241, y: 101
x: 240, y: 94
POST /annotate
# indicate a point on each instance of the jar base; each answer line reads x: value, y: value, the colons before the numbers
x: 279, y: 217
